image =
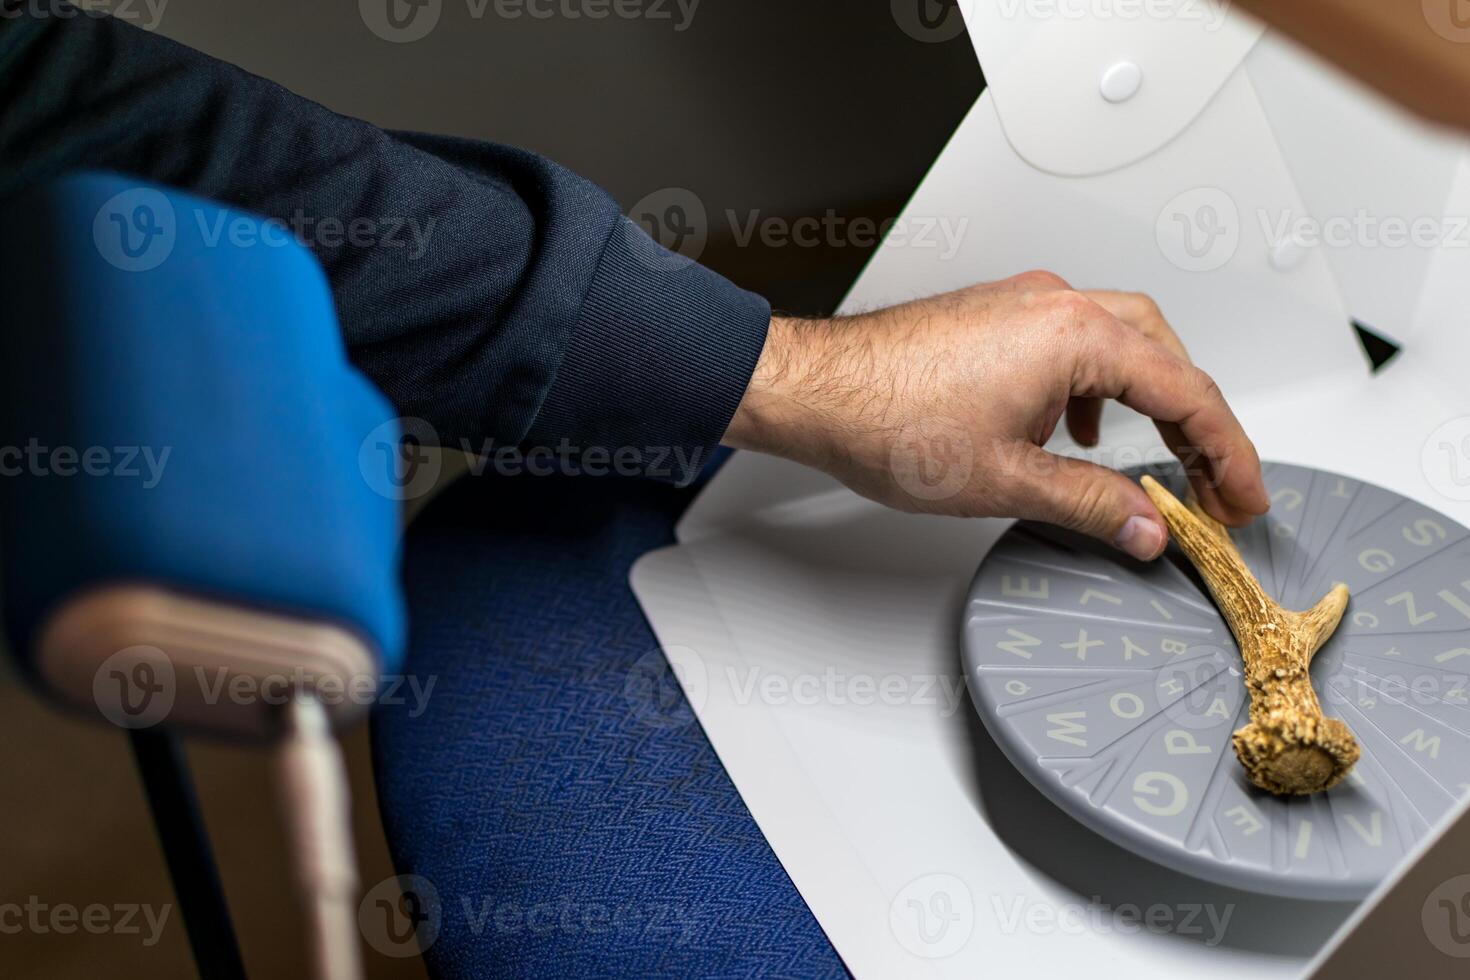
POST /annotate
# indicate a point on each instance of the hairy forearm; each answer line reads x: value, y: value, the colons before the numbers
x: 774, y: 415
x: 820, y: 390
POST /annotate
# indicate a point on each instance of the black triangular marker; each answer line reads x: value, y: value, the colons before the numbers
x: 1380, y: 349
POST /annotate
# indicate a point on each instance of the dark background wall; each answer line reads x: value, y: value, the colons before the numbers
x: 763, y: 108
x: 767, y: 108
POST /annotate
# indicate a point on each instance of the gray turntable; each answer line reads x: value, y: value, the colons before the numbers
x: 1114, y: 685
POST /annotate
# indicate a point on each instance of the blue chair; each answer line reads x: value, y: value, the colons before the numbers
x: 543, y: 821
x: 193, y: 538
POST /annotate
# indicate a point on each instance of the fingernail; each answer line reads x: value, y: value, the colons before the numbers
x: 1141, y: 538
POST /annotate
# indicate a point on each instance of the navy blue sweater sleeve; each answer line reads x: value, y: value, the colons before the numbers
x: 525, y: 310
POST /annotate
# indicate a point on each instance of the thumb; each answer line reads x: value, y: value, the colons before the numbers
x: 1092, y: 499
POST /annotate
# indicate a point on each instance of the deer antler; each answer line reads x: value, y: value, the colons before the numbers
x: 1288, y: 746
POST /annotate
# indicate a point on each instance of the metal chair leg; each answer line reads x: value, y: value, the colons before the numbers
x: 186, y: 850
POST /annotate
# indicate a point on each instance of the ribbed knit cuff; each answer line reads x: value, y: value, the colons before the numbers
x: 656, y: 364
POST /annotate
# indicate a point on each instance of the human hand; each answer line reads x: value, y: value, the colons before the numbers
x: 943, y: 405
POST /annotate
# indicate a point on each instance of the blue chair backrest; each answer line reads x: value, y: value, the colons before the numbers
x: 176, y: 407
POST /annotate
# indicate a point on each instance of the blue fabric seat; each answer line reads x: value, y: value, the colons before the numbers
x: 557, y: 792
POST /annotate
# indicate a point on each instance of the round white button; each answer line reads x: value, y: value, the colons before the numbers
x: 1121, y: 81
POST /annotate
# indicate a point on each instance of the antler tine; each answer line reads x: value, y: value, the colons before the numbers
x: 1322, y: 619
x: 1214, y: 554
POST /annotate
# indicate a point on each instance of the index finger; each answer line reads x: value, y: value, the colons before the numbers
x: 1128, y: 367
